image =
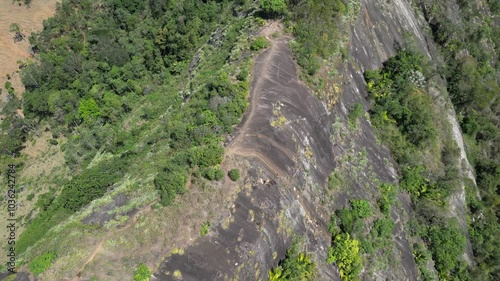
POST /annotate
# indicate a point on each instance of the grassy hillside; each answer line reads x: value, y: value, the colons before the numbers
x: 143, y: 92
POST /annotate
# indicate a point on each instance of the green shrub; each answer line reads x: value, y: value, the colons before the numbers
x: 219, y: 174
x: 169, y: 184
x: 383, y: 228
x: 334, y: 180
x: 91, y: 184
x: 355, y: 113
x: 259, y: 43
x: 361, y: 208
x: 142, y: 273
x: 344, y: 252
x: 297, y: 265
x: 14, y: 27
x: 41, y: 263
x: 9, y: 87
x: 447, y: 244
x: 205, y: 228
x: 234, y: 174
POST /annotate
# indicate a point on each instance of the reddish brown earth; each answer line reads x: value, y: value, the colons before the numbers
x: 30, y: 20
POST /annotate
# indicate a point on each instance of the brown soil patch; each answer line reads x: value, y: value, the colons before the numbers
x: 30, y: 20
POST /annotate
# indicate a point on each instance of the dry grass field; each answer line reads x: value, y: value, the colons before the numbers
x: 29, y: 20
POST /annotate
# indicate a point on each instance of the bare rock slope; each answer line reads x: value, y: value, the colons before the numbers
x: 290, y: 147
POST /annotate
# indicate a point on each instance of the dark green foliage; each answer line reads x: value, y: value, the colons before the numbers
x: 273, y: 8
x: 9, y: 87
x: 234, y: 174
x: 213, y: 173
x: 41, y: 263
x: 242, y: 76
x: 400, y: 101
x: 169, y: 183
x: 447, y: 244
x: 91, y: 184
x: 413, y: 180
x: 350, y: 220
x: 205, y: 228
x: 297, y: 266
x: 383, y: 228
x: 142, y: 273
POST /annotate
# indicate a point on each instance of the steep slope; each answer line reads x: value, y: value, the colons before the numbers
x: 288, y: 133
x: 306, y: 149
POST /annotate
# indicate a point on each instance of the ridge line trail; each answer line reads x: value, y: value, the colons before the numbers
x: 144, y: 210
x: 256, y: 91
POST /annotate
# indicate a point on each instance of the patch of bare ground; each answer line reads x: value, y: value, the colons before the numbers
x: 29, y: 20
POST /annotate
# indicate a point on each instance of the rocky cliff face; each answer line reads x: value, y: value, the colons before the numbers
x: 289, y: 142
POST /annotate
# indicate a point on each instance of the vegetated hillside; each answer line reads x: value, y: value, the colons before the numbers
x: 361, y: 174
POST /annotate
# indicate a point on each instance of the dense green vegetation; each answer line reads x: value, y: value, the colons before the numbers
x: 345, y: 254
x: 471, y: 48
x: 316, y: 30
x: 41, y: 263
x: 126, y: 81
x: 273, y: 8
x: 259, y: 43
x: 297, y: 266
x: 403, y: 114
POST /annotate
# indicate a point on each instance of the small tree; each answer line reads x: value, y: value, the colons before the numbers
x: 234, y: 174
x: 14, y: 27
